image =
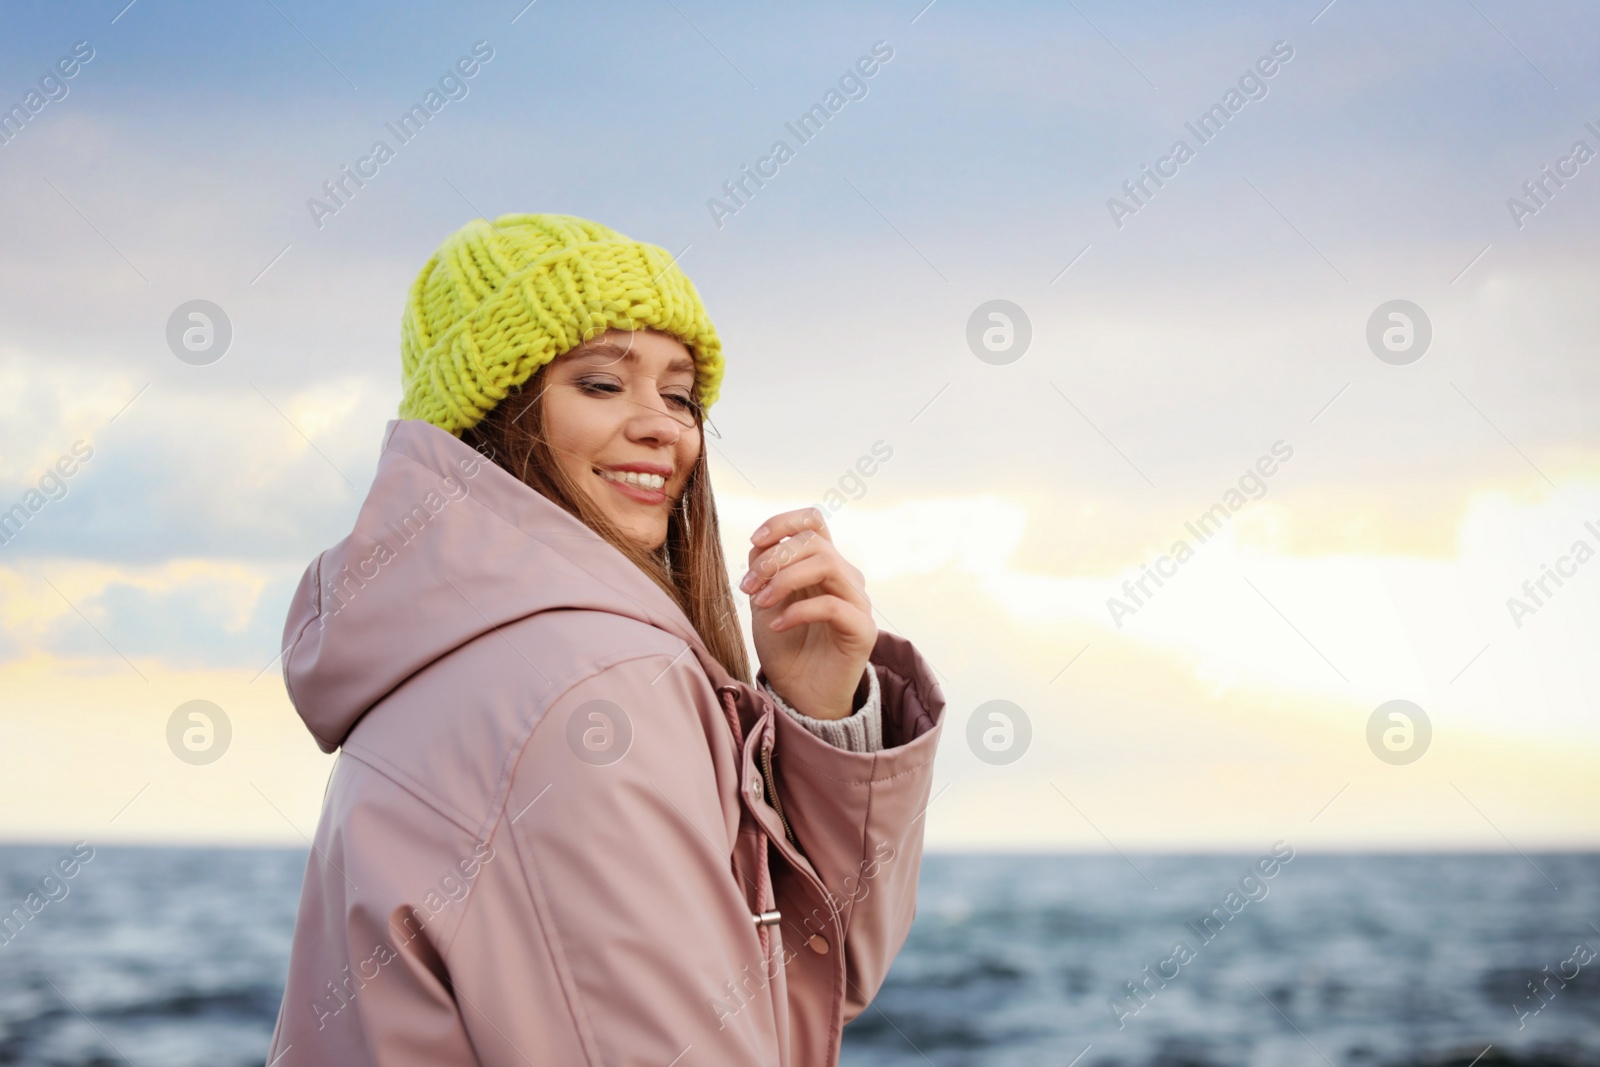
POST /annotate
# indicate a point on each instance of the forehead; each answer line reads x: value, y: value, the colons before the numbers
x: 643, y: 349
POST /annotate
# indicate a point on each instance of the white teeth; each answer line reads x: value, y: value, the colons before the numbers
x: 643, y: 481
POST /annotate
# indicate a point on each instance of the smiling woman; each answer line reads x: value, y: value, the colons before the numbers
x: 610, y: 430
x: 554, y: 670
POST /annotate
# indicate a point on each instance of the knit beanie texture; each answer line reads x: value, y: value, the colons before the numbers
x: 499, y: 300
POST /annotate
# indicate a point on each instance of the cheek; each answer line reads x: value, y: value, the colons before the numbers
x: 577, y: 432
x: 687, y: 452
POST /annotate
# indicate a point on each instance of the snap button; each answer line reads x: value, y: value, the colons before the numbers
x: 818, y: 943
x: 767, y: 918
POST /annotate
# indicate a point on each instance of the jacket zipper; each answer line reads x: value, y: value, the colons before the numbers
x: 772, y: 792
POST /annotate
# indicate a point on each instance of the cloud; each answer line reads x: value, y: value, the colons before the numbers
x: 1250, y: 613
x: 179, y: 616
x: 228, y: 471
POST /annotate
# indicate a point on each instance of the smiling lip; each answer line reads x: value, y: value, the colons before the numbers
x: 639, y: 493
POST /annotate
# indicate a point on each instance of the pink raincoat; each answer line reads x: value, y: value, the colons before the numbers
x: 558, y: 832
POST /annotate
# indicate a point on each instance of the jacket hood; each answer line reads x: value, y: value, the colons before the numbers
x: 447, y: 546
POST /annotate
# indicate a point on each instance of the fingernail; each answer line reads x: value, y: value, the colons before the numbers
x: 761, y: 531
x: 765, y: 597
x: 748, y: 582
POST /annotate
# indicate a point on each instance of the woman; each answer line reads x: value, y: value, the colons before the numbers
x: 564, y: 829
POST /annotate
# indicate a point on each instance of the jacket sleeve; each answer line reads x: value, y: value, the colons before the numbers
x: 858, y: 816
x: 613, y: 932
x: 385, y: 882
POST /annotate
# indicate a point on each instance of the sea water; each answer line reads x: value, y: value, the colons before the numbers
x: 176, y: 957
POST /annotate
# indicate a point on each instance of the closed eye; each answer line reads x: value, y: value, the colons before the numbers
x: 683, y: 401
x: 598, y: 387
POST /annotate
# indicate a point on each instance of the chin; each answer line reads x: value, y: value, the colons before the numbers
x: 650, y: 540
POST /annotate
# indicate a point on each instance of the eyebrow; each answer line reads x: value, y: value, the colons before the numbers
x: 612, y: 350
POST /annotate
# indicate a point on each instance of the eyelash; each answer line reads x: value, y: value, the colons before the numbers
x: 593, y: 386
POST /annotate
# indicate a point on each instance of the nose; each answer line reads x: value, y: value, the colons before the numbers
x: 651, y: 423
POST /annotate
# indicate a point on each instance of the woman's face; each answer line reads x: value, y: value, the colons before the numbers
x: 619, y: 418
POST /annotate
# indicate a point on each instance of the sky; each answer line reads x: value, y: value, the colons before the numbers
x: 1181, y: 336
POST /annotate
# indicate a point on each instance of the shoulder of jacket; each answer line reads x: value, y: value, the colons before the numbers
x: 497, y: 688
x: 575, y: 646
x: 647, y: 665
x: 429, y: 770
x: 577, y: 630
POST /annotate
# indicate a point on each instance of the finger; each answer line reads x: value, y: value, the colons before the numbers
x: 764, y: 563
x: 789, y: 523
x: 821, y: 570
x: 789, y: 548
x: 847, y: 621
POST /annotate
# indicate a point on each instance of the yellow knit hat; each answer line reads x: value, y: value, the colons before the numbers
x: 499, y: 300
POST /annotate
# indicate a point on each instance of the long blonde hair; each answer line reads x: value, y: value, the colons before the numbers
x: 689, y: 567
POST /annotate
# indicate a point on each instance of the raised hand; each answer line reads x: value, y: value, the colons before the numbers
x: 811, y: 618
